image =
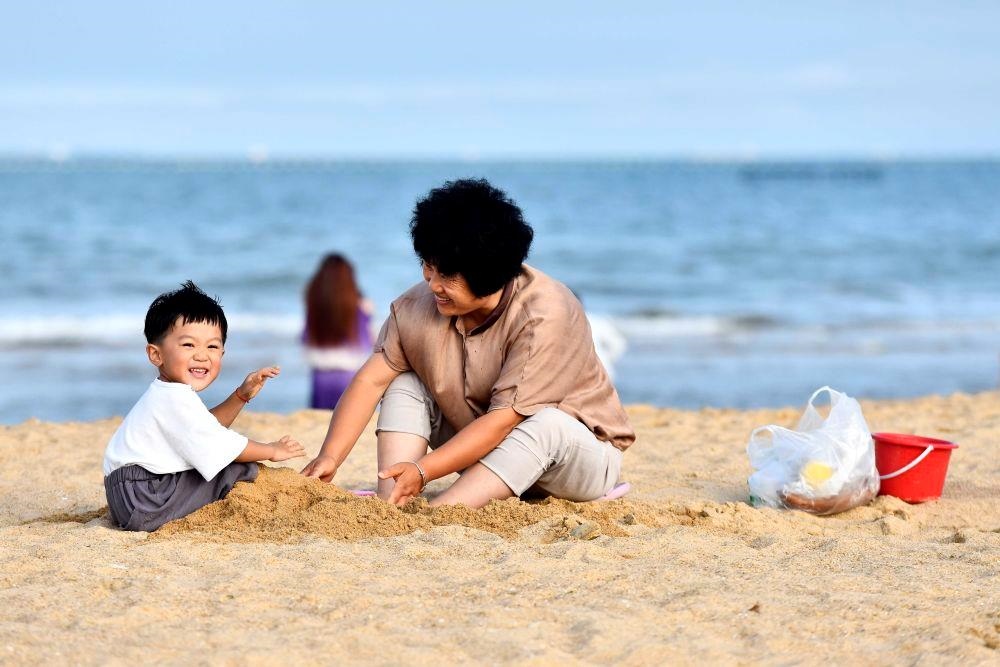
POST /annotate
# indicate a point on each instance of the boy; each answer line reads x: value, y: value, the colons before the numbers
x: 171, y: 455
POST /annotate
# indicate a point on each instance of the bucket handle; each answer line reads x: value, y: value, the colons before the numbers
x: 909, y: 466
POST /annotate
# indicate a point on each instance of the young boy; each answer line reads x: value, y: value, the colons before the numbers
x: 171, y: 455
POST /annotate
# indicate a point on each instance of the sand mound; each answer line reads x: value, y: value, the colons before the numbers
x: 282, y: 506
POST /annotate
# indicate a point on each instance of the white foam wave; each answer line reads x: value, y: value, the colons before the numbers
x: 672, y: 326
x: 115, y: 330
x: 102, y: 330
x: 753, y: 334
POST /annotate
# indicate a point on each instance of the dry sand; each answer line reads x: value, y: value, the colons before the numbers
x: 682, y: 571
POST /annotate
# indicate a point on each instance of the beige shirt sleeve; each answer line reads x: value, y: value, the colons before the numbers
x: 543, y: 362
x: 390, y: 345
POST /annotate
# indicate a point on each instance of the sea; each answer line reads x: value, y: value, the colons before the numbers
x: 734, y: 284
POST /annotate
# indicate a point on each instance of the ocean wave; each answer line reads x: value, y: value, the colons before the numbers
x: 653, y: 323
x: 118, y: 330
x: 671, y: 333
x: 646, y: 327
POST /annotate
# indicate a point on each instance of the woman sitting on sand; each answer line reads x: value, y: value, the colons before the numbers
x: 489, y: 362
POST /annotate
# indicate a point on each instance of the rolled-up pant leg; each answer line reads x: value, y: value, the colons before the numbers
x: 549, y: 450
x: 557, y: 454
x: 407, y: 407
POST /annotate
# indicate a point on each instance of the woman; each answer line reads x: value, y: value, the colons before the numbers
x: 489, y: 362
x: 338, y: 331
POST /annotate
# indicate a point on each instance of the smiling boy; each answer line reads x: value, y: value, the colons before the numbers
x: 171, y: 455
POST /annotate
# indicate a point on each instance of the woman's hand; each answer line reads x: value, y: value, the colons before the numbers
x: 409, y: 481
x: 321, y: 467
x: 255, y: 382
x: 286, y: 448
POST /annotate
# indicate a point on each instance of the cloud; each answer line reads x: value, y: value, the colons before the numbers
x: 818, y: 77
x: 81, y: 96
x: 688, y: 88
x: 306, y: 95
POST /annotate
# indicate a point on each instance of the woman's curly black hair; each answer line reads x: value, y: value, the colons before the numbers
x: 470, y: 228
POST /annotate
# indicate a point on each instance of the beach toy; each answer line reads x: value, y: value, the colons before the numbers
x: 363, y: 493
x: 911, y: 467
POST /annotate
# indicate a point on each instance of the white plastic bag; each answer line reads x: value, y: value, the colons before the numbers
x: 824, y: 466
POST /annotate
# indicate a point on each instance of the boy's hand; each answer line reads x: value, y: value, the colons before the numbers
x: 321, y: 467
x: 255, y: 382
x: 286, y: 448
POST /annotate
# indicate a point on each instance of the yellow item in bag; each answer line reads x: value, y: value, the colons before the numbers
x: 815, y: 473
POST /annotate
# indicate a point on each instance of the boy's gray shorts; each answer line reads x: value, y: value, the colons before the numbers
x: 143, y: 500
x: 549, y: 451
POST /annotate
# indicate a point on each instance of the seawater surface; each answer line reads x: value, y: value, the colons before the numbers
x: 735, y: 284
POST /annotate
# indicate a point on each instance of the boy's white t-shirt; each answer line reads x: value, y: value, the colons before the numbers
x: 170, y: 430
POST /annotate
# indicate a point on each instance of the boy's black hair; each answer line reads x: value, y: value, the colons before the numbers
x: 470, y: 228
x: 188, y: 302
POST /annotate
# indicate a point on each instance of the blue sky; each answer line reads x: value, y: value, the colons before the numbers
x: 511, y: 79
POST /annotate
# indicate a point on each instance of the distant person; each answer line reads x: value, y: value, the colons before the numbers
x: 338, y: 336
x: 489, y: 363
x: 172, y: 455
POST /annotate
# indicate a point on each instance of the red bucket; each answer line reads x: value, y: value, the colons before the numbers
x: 911, y: 467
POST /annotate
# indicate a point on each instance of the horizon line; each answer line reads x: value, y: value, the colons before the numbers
x: 258, y: 158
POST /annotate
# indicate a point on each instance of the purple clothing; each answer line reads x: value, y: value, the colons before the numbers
x: 334, y: 367
x: 328, y: 387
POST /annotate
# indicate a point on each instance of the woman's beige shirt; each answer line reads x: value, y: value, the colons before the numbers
x: 534, y: 351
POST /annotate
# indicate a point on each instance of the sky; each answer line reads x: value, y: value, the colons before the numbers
x: 498, y: 80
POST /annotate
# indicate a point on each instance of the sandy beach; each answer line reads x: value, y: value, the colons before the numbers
x: 682, y: 571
